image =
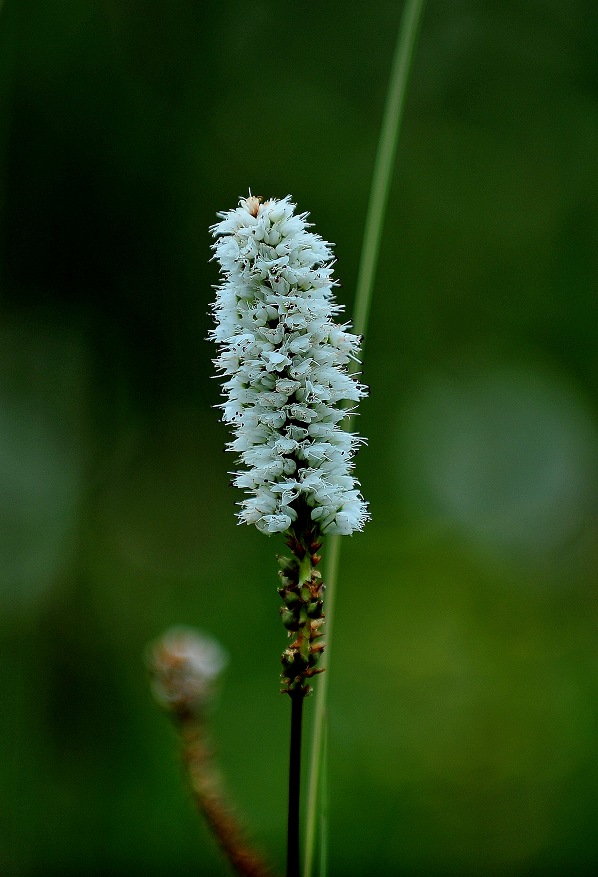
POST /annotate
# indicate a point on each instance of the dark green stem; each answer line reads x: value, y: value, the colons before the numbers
x: 297, y: 698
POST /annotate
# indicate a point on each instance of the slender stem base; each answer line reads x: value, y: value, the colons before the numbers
x: 297, y: 698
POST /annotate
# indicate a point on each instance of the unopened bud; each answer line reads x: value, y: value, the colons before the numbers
x: 291, y: 598
x: 315, y: 609
x: 288, y: 565
x: 290, y: 618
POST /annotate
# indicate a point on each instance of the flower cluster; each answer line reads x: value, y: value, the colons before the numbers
x: 285, y: 363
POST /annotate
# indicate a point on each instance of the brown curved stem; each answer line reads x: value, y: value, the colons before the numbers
x: 209, y: 795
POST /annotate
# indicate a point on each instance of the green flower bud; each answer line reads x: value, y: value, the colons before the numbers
x: 315, y: 609
x: 291, y: 598
x: 288, y: 565
x: 290, y: 618
x: 292, y: 662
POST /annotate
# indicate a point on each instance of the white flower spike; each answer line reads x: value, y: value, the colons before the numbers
x: 284, y: 360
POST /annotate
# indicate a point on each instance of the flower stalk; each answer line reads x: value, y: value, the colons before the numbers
x: 289, y: 387
x: 302, y: 613
x: 293, y: 822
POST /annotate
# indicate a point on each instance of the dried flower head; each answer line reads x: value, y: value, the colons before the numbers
x: 285, y: 363
x: 185, y: 665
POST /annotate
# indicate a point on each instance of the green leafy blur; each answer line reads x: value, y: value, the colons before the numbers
x: 463, y: 723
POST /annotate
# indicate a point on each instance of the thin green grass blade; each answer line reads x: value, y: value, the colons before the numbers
x: 381, y: 181
x: 317, y: 777
x: 324, y: 802
x: 385, y: 161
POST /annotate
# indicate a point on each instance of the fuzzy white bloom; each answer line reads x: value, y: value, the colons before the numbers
x: 185, y: 664
x: 284, y: 360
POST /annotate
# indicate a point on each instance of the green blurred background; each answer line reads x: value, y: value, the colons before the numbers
x: 464, y: 677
